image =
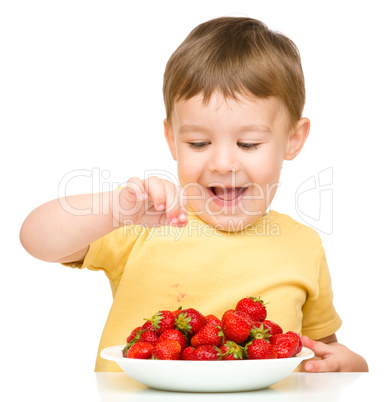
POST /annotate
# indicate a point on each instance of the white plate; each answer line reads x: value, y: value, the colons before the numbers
x: 206, y: 376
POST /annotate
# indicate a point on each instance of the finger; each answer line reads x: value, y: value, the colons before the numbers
x: 319, y: 348
x: 156, y: 191
x: 323, y: 361
x: 183, y: 201
x: 183, y: 208
x: 135, y: 186
x: 176, y: 214
x: 172, y: 202
x: 321, y: 366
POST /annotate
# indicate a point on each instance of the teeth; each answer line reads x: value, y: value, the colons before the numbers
x: 227, y: 193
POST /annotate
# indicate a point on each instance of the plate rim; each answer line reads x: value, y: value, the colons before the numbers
x: 308, y: 354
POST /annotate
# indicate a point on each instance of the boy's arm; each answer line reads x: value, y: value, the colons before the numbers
x: 330, y: 355
x: 62, y: 230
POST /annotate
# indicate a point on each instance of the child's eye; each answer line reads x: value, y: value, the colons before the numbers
x: 246, y: 145
x: 197, y: 145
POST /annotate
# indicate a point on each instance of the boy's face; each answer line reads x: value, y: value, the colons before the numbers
x: 230, y: 155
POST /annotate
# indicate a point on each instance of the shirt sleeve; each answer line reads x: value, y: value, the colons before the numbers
x: 110, y: 253
x: 320, y: 318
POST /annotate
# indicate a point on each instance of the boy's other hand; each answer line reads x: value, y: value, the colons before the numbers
x: 333, y: 356
x: 150, y: 202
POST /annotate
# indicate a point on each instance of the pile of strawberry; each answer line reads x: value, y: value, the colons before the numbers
x: 242, y: 333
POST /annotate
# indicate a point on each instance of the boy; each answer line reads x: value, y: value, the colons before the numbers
x: 234, y: 96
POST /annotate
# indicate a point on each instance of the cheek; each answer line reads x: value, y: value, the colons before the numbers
x: 266, y: 169
x: 189, y: 174
x: 186, y: 169
x: 189, y: 164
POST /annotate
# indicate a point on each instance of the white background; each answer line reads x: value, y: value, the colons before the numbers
x: 81, y: 90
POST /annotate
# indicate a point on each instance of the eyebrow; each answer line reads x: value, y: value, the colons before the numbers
x: 188, y: 128
x: 257, y: 128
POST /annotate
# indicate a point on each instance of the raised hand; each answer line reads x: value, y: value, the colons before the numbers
x: 150, y: 202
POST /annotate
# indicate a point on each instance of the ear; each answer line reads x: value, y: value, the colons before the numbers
x: 168, y: 133
x: 297, y: 138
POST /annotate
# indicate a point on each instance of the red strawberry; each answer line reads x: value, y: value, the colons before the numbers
x: 174, y: 335
x: 259, y: 331
x: 236, y: 325
x: 300, y: 345
x: 140, y: 350
x: 190, y: 321
x: 208, y: 335
x: 148, y: 325
x: 206, y: 352
x: 265, y: 329
x: 227, y: 313
x: 167, y: 350
x: 231, y: 351
x: 272, y: 326
x: 285, y: 344
x: 212, y: 319
x: 177, y: 312
x: 148, y: 335
x: 233, y: 311
x: 163, y: 320
x: 253, y: 306
x: 188, y: 353
x: 260, y: 349
x: 133, y: 334
x: 132, y: 339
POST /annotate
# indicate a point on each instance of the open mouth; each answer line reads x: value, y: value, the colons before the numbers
x: 227, y: 195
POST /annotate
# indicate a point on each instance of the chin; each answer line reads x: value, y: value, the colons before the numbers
x: 229, y: 223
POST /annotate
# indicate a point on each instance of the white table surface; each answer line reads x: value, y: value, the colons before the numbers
x: 112, y: 387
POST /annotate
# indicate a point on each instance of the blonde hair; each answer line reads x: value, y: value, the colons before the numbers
x: 235, y: 55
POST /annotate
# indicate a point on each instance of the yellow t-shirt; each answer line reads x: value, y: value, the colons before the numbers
x: 198, y: 266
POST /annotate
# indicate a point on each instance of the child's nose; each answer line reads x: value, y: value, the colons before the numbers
x: 223, y: 161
